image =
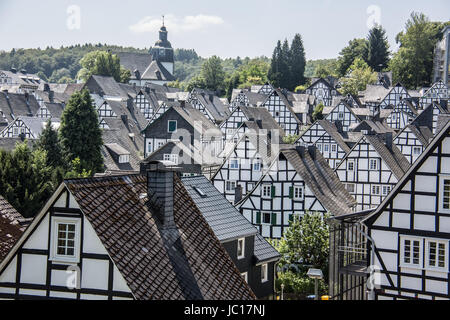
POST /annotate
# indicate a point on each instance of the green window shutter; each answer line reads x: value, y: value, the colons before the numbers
x: 274, y: 218
x: 258, y: 218
x: 273, y: 192
x: 291, y: 192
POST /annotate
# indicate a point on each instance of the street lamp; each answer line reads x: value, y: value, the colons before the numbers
x: 315, y: 274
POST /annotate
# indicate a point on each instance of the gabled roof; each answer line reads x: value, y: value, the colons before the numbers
x: 134, y: 61
x: 11, y: 227
x: 374, y: 126
x: 319, y: 178
x: 333, y: 131
x: 411, y: 171
x: 156, y: 71
x: 330, y: 82
x: 255, y: 99
x: 187, y: 262
x: 392, y: 156
x: 283, y: 98
x: 223, y: 218
x: 55, y: 109
x: 14, y: 105
x: 216, y: 107
x: 374, y: 94
x: 105, y: 86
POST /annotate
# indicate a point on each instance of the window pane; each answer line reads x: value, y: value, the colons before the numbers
x: 416, y: 252
x: 441, y: 255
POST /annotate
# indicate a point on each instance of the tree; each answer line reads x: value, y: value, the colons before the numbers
x: 25, y: 179
x: 412, y: 65
x: 284, y: 66
x: 80, y: 134
x: 304, y: 245
x: 298, y: 62
x: 377, y: 49
x: 357, y: 48
x: 213, y: 74
x: 274, y: 75
x: 103, y: 63
x: 48, y: 141
x: 360, y: 75
x: 317, y: 113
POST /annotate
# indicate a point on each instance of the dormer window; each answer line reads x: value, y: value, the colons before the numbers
x: 65, y: 246
x: 172, y: 126
x: 264, y: 273
x: 125, y: 158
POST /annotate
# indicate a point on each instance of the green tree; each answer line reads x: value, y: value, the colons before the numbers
x: 297, y: 62
x: 103, y: 63
x: 359, y: 76
x: 80, y: 134
x: 213, y: 74
x: 412, y: 64
x: 25, y: 178
x: 377, y: 49
x: 274, y: 75
x: 317, y: 113
x: 49, y: 142
x: 357, y: 48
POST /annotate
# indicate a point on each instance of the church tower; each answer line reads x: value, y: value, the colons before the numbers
x: 162, y: 51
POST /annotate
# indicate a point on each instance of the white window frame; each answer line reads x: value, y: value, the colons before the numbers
x: 262, y: 218
x: 372, y: 190
x: 263, y: 191
x: 234, y: 164
x: 125, y: 158
x: 257, y: 165
x: 419, y: 151
x: 230, y: 182
x: 427, y: 256
x: 168, y: 126
x: 264, y: 273
x: 352, y: 162
x: 442, y: 178
x: 373, y: 161
x: 333, y: 147
x: 404, y: 264
x: 384, y: 190
x: 326, y: 147
x: 245, y: 276
x: 54, y: 245
x: 302, y: 192
x: 242, y: 255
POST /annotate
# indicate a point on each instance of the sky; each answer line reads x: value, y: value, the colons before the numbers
x: 228, y: 28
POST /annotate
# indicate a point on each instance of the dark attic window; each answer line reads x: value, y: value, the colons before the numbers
x: 200, y: 192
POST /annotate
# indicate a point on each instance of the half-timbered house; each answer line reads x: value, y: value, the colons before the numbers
x: 437, y: 93
x: 410, y: 231
x: 125, y: 237
x: 244, y: 163
x: 402, y: 115
x: 371, y: 169
x: 299, y: 180
x: 343, y: 113
x: 214, y: 108
x: 188, y: 125
x: 27, y: 128
x: 251, y: 253
x: 323, y: 90
x: 281, y: 110
x: 329, y: 140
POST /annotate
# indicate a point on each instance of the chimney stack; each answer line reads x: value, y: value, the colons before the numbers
x: 312, y: 152
x: 51, y: 96
x: 389, y: 140
x: 301, y: 151
x: 137, y: 74
x: 259, y: 123
x: 237, y: 194
x: 160, y: 191
x: 46, y: 87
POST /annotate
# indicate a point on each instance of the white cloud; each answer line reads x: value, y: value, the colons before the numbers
x: 175, y: 24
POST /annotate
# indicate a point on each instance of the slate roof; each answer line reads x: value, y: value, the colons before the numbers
x: 156, y: 71
x: 134, y: 61
x: 373, y: 94
x: 102, y: 86
x: 255, y: 99
x: 320, y: 179
x: 216, y: 107
x: 392, y: 156
x: 16, y: 104
x: 9, y: 144
x: 55, y: 109
x: 11, y: 227
x: 373, y: 126
x: 185, y: 263
x: 333, y: 131
x: 22, y: 79
x: 223, y: 218
x: 191, y: 115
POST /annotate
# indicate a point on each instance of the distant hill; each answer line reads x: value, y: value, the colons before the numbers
x: 61, y: 65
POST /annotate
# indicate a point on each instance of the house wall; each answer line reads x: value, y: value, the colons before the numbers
x: 415, y: 212
x: 409, y: 145
x: 34, y: 273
